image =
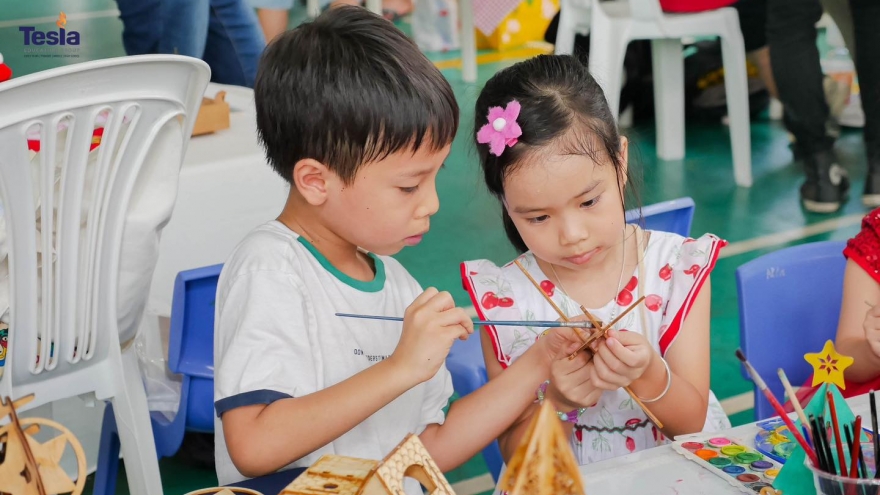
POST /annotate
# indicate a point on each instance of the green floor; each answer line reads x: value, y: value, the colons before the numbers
x: 468, y: 226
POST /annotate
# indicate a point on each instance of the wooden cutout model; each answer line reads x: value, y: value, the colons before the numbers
x: 341, y: 475
x: 213, y: 115
x: 29, y: 467
x: 543, y: 463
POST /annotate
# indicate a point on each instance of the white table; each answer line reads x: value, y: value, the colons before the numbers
x: 226, y: 189
x: 664, y: 471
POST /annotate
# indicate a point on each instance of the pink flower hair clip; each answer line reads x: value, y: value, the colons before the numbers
x: 502, y: 129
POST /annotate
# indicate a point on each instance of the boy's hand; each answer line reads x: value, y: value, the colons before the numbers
x: 430, y: 326
x: 872, y: 329
x: 620, y: 359
x: 570, y: 385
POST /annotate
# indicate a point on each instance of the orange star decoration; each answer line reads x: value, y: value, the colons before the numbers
x: 828, y: 365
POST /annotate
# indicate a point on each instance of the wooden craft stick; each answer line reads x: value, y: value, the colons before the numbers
x: 593, y: 320
x: 604, y: 330
x: 593, y: 337
x: 541, y: 290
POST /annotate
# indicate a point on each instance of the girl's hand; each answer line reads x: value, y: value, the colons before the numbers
x: 570, y: 387
x: 872, y: 328
x: 558, y: 343
x: 620, y: 359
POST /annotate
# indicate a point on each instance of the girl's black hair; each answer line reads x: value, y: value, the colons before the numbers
x: 563, y: 111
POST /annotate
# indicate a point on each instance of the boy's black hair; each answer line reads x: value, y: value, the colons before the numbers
x: 348, y: 89
x: 563, y: 111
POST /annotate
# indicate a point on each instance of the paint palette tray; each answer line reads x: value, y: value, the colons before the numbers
x: 773, y: 441
x: 743, y: 467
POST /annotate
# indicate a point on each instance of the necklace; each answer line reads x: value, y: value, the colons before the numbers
x: 614, y: 307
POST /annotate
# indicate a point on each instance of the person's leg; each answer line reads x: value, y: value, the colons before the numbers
x: 234, y: 43
x: 184, y: 27
x: 753, y: 24
x: 866, y: 19
x: 273, y: 22
x: 274, y: 16
x: 791, y: 36
x: 141, y: 26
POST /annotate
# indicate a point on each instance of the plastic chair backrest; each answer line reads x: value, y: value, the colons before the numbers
x: 675, y: 216
x: 789, y: 305
x: 191, y: 336
x: 63, y: 304
x: 646, y: 10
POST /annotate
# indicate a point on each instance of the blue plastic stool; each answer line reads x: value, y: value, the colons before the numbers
x: 191, y: 354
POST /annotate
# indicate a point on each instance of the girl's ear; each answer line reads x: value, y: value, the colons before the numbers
x: 624, y: 160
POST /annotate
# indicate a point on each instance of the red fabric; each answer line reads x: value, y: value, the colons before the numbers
x: 864, y: 248
x: 684, y: 6
x: 807, y: 391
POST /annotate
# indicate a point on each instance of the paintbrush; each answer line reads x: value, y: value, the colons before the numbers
x: 793, y: 398
x: 500, y: 323
x: 777, y: 406
x: 836, y: 431
x: 874, y: 434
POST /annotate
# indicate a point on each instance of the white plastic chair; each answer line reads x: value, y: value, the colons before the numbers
x: 64, y: 337
x: 613, y: 24
x: 468, y: 41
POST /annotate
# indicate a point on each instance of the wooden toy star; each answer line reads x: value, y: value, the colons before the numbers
x: 828, y: 365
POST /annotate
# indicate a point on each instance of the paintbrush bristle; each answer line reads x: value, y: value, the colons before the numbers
x: 752, y: 372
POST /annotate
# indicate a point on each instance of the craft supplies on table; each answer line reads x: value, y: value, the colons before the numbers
x: 743, y: 467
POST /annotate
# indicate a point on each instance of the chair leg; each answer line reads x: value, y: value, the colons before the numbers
x: 566, y: 31
x: 468, y: 41
x: 668, y: 65
x: 108, y: 456
x: 375, y: 6
x: 313, y: 8
x: 736, y: 87
x: 607, y: 49
x: 135, y: 431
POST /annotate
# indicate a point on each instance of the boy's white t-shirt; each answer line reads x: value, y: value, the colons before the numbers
x: 277, y: 336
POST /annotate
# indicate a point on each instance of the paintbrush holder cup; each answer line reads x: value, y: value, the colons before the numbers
x: 830, y: 484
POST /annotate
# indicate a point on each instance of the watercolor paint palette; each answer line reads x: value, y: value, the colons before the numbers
x: 743, y: 467
x: 772, y: 440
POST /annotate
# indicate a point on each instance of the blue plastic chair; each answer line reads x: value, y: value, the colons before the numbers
x: 675, y: 216
x: 191, y: 354
x: 789, y: 305
x: 465, y: 361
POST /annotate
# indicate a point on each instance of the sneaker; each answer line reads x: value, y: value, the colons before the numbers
x: 826, y: 185
x: 871, y: 197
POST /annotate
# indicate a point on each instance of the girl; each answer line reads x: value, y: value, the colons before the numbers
x: 551, y: 153
x: 858, y: 330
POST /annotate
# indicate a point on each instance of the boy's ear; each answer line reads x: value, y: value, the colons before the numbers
x: 311, y: 178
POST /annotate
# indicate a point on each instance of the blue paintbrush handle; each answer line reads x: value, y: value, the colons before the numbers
x: 507, y: 323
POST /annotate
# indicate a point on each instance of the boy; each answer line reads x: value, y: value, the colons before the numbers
x: 359, y: 122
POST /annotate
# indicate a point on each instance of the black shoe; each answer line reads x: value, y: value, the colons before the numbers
x: 871, y: 197
x: 827, y: 183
